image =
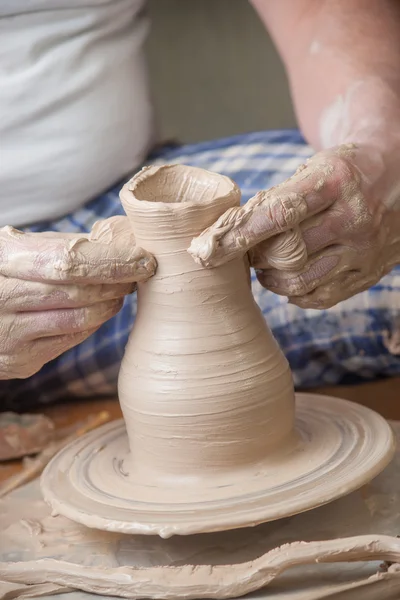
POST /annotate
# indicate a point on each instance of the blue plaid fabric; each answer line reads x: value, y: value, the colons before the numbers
x: 345, y: 344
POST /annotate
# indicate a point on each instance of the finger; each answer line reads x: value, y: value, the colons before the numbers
x: 105, y: 230
x: 18, y: 295
x: 48, y: 348
x: 320, y: 269
x: 335, y: 225
x: 312, y: 189
x: 112, y: 229
x: 31, y: 325
x: 321, y: 231
x: 285, y: 252
x: 241, y: 228
x: 109, y: 256
x: 337, y: 290
x: 39, y: 352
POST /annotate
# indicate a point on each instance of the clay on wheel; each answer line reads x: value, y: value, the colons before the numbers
x: 207, y: 396
x: 339, y: 447
x: 204, y: 388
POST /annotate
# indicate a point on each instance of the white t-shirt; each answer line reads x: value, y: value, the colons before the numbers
x: 75, y: 111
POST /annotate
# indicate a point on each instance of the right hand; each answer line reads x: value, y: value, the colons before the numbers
x: 56, y: 289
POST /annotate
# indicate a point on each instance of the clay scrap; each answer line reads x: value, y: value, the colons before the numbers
x: 32, y: 467
x: 23, y: 434
x: 31, y: 537
x: 191, y: 582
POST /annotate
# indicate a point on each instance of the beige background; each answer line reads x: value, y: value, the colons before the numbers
x: 214, y: 70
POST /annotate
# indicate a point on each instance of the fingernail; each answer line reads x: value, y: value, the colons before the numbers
x: 267, y: 280
x: 146, y: 266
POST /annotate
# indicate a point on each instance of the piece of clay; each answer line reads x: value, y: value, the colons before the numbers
x: 341, y: 446
x: 205, y: 581
x: 33, y: 467
x: 203, y: 386
x: 17, y: 591
x: 206, y: 394
x: 23, y: 434
x: 28, y: 533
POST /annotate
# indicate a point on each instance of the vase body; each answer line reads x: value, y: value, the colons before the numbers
x: 203, y: 386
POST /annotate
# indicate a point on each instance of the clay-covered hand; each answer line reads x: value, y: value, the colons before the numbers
x: 56, y: 289
x: 328, y: 232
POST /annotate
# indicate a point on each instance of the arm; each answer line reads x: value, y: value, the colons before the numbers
x: 342, y: 58
x: 333, y: 229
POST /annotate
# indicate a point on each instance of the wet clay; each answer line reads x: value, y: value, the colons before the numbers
x: 21, y: 435
x: 339, y: 447
x: 206, y: 394
x: 203, y: 386
x: 223, y: 581
x: 30, y: 537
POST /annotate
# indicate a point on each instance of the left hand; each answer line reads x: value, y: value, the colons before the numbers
x: 57, y: 289
x: 328, y: 232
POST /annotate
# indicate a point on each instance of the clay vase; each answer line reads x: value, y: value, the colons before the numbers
x: 203, y: 386
x: 210, y: 440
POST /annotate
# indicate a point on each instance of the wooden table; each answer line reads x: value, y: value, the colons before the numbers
x: 382, y: 396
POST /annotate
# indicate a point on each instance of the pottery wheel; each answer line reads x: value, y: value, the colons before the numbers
x: 338, y: 446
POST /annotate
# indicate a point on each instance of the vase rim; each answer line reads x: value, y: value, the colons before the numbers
x: 130, y: 192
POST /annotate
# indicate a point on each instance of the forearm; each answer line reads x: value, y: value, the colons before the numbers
x: 342, y: 58
x: 337, y: 219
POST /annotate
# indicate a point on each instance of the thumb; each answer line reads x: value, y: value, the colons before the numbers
x: 270, y: 212
x: 107, y: 255
x: 131, y: 262
x: 240, y: 228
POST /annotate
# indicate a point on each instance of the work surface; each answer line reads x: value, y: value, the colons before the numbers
x: 382, y: 396
x: 28, y: 532
x: 42, y: 554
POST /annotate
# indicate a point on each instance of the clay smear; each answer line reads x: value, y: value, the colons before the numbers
x: 21, y: 435
x: 207, y: 581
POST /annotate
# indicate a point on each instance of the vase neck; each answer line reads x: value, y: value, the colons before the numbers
x: 168, y: 206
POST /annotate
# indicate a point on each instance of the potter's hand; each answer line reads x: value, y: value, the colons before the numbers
x: 330, y: 231
x: 56, y: 289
